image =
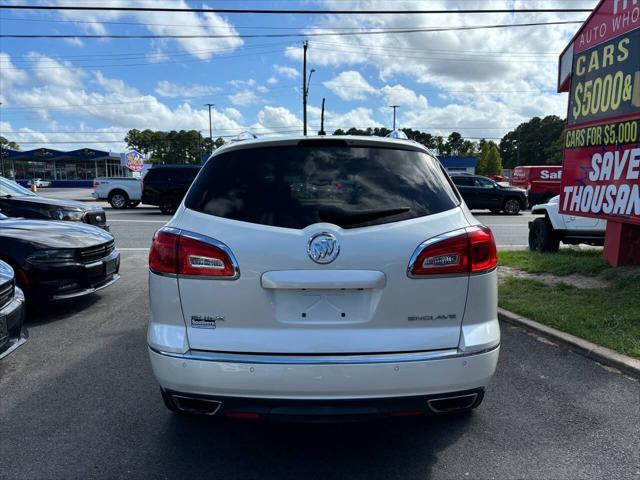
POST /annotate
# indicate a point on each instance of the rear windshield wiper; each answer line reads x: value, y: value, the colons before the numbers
x: 352, y: 217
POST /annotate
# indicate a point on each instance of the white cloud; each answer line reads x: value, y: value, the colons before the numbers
x: 166, y: 23
x: 115, y: 85
x: 286, y: 72
x: 52, y: 72
x: 404, y: 97
x: 272, y: 80
x: 168, y: 89
x: 350, y: 85
x: 276, y: 121
x: 492, y: 77
x: 9, y: 73
x: 244, y: 98
x: 360, y: 117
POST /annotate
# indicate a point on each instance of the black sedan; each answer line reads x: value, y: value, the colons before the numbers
x: 58, y: 260
x: 12, y: 331
x: 17, y: 201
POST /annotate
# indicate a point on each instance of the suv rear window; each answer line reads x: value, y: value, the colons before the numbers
x: 296, y: 186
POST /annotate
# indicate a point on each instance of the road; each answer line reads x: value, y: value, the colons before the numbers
x: 79, y: 401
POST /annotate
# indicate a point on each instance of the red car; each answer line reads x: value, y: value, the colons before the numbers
x: 540, y: 182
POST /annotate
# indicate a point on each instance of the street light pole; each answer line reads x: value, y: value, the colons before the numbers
x: 210, y: 126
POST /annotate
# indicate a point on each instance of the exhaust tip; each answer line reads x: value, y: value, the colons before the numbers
x: 199, y: 406
x: 452, y: 404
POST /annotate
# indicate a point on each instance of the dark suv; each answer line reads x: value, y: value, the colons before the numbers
x: 166, y: 185
x: 483, y: 193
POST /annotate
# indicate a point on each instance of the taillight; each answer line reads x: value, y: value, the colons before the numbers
x: 183, y: 253
x: 95, y: 184
x: 468, y: 250
x: 482, y: 249
x: 163, y: 256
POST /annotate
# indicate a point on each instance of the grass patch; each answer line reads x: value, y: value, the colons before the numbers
x: 609, y: 317
x: 564, y: 262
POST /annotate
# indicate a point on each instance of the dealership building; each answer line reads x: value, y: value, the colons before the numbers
x: 459, y: 164
x: 76, y: 168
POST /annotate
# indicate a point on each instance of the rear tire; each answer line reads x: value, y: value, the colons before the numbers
x: 542, y: 238
x: 512, y: 206
x: 118, y: 199
x: 168, y: 206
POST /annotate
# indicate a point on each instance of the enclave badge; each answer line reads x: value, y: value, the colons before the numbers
x: 323, y: 248
x: 198, y: 321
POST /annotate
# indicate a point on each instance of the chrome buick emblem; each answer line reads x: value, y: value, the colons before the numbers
x: 323, y: 248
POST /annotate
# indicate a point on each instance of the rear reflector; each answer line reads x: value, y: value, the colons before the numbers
x: 468, y: 250
x: 183, y: 253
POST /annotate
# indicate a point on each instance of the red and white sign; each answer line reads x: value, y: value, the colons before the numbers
x: 602, y: 182
x: 601, y: 168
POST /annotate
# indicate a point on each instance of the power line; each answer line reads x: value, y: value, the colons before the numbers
x: 289, y: 35
x: 293, y: 11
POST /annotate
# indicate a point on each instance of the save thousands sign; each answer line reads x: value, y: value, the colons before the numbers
x: 601, y: 70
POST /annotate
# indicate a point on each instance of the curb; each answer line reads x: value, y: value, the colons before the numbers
x: 628, y: 365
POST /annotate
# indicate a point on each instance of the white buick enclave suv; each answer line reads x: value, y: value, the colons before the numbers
x: 326, y: 276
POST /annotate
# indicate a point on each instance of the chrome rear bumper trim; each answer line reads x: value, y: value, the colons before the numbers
x: 205, y: 356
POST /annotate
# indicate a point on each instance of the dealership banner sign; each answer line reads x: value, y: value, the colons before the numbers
x: 133, y: 160
x: 601, y: 170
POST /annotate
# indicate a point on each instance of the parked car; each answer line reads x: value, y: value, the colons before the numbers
x: 337, y: 276
x: 38, y: 182
x: 546, y: 232
x: 120, y: 192
x: 12, y: 330
x: 540, y: 182
x: 483, y: 193
x: 58, y: 260
x: 166, y: 185
x: 17, y: 201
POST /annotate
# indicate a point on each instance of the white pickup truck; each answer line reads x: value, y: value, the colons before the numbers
x: 120, y: 192
x: 552, y: 227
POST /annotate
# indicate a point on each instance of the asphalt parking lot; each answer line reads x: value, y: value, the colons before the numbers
x: 78, y: 400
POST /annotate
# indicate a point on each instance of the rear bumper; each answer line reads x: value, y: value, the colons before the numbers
x: 314, y: 378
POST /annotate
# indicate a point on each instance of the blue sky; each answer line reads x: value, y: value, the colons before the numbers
x: 88, y: 92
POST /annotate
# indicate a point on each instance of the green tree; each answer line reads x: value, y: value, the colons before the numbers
x: 536, y: 142
x: 183, y: 146
x: 6, y: 143
x: 489, y: 161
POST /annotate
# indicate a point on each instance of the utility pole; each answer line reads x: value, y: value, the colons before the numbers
x: 394, y: 114
x: 322, y: 132
x: 210, y: 126
x: 305, y: 45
